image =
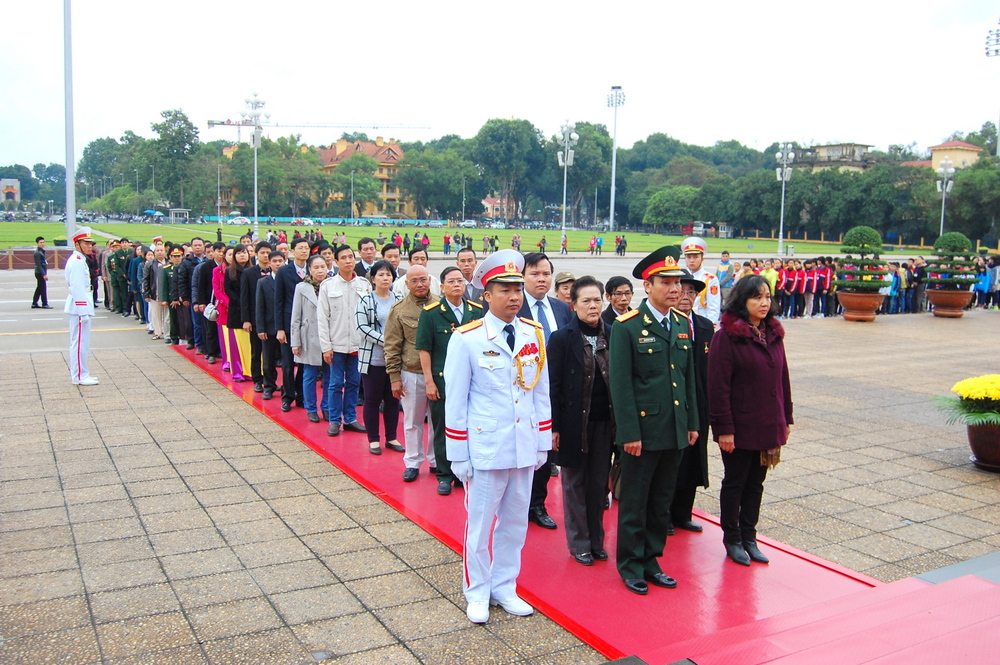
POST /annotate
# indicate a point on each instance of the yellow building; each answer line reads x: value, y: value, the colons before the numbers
x: 962, y: 154
x: 388, y: 155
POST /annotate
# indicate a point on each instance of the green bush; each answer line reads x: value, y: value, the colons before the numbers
x: 953, y: 268
x: 952, y: 242
x: 861, y: 274
x: 862, y: 240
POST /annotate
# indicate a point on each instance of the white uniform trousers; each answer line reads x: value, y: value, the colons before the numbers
x: 414, y: 410
x: 503, y: 494
x: 79, y: 347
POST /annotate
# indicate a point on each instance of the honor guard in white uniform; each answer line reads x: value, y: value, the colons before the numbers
x: 498, y: 430
x: 80, y: 307
x: 709, y: 302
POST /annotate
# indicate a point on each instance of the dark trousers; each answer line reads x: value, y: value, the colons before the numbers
x: 585, y: 489
x: 437, y: 430
x: 270, y: 358
x: 184, y: 326
x: 41, y: 291
x: 647, y: 488
x: 256, y: 369
x: 211, y: 333
x: 174, y: 329
x: 739, y: 499
x: 291, y: 376
x: 121, y: 293
x: 378, y: 390
x: 540, y: 484
x: 689, y: 478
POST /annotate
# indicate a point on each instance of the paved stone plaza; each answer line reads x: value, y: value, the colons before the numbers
x: 157, y: 518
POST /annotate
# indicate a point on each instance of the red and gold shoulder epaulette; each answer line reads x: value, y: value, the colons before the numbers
x: 429, y: 306
x: 530, y: 322
x: 627, y: 315
x: 677, y: 311
x: 475, y: 304
x: 471, y: 325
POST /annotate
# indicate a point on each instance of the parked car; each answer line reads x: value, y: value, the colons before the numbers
x: 468, y: 224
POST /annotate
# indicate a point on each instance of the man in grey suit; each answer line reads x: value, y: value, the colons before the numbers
x: 466, y: 262
x: 41, y: 276
x: 552, y: 314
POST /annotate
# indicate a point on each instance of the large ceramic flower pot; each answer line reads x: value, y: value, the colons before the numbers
x: 860, y: 306
x: 985, y: 443
x: 948, y: 303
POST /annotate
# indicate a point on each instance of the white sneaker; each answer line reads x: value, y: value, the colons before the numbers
x: 478, y: 612
x: 514, y: 606
x: 87, y: 381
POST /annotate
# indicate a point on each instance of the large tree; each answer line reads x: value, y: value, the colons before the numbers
x: 366, y: 188
x: 177, y: 141
x: 671, y: 206
x: 434, y: 182
x: 506, y: 151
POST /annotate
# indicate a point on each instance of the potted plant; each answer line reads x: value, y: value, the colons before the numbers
x: 861, y: 274
x: 978, y: 407
x: 951, y: 276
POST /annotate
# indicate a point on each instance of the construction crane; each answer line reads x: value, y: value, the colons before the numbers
x: 303, y: 125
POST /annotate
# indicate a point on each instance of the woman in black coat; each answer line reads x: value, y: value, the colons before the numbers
x: 750, y: 409
x: 582, y: 424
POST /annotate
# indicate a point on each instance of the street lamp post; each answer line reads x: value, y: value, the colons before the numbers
x: 50, y: 207
x: 785, y: 156
x: 946, y: 171
x: 993, y: 50
x: 255, y: 104
x: 218, y: 194
x: 153, y: 166
x: 352, y: 196
x: 567, y: 138
x: 615, y: 99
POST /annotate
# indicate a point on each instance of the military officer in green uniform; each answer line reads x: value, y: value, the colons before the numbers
x: 652, y: 372
x: 118, y: 263
x: 437, y: 322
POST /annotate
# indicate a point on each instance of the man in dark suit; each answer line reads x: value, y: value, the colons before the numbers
x: 552, y: 314
x: 248, y: 310
x: 466, y: 262
x: 41, y: 276
x: 265, y: 323
x: 202, y: 289
x: 618, y: 291
x: 366, y: 248
x: 693, y: 471
x: 285, y: 281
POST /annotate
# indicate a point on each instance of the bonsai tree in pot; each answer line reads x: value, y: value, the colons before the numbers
x: 861, y: 274
x: 951, y: 276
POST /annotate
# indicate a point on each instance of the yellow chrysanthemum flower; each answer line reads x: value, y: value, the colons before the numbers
x: 979, y: 387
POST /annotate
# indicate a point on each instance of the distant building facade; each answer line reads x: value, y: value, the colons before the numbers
x: 388, y: 154
x: 10, y: 191
x: 845, y: 156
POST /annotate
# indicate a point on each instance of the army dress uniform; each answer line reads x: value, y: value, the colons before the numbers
x: 118, y: 264
x: 437, y: 323
x: 498, y: 429
x: 80, y: 307
x: 652, y: 371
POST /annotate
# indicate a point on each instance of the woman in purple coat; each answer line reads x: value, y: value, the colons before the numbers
x: 750, y: 409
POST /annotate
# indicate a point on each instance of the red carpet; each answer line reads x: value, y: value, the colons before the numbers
x: 713, y: 593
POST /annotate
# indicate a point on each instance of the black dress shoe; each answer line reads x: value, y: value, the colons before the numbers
x: 190, y: 347
x: 444, y: 487
x: 398, y: 447
x: 258, y: 388
x: 433, y: 470
x: 355, y: 427
x: 211, y: 360
x: 554, y: 469
x: 690, y: 526
x: 637, y: 586
x: 374, y: 448
x: 662, y: 580
x: 584, y: 558
x: 46, y: 306
x: 313, y: 417
x: 268, y: 393
x: 334, y: 429
x: 35, y: 307
x: 750, y: 546
x: 410, y: 475
x: 670, y: 529
x: 737, y: 554
x: 541, y: 518
x: 286, y: 406
x: 599, y: 555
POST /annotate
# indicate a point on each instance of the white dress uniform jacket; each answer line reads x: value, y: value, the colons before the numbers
x: 80, y: 300
x: 490, y: 418
x: 708, y: 303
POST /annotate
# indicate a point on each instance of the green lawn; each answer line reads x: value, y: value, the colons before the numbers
x: 24, y: 234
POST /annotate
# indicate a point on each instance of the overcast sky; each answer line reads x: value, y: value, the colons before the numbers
x: 866, y: 71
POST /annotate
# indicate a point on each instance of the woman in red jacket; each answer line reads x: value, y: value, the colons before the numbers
x: 750, y: 410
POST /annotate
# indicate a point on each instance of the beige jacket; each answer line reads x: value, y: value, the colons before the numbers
x: 401, y: 336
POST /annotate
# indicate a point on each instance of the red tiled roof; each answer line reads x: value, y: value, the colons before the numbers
x: 387, y: 153
x: 957, y: 144
x: 925, y: 162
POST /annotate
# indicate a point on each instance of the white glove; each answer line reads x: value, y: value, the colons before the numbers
x: 543, y: 459
x: 462, y: 470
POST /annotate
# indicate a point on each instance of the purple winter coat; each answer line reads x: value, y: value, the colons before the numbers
x: 748, y: 382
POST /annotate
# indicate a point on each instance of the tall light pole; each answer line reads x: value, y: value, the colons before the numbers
x: 352, y: 196
x: 785, y: 156
x: 136, y: 180
x: 946, y: 171
x: 463, y: 198
x: 255, y: 104
x: 567, y: 138
x: 70, y: 152
x: 218, y: 193
x: 993, y: 50
x: 153, y: 166
x: 615, y: 99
